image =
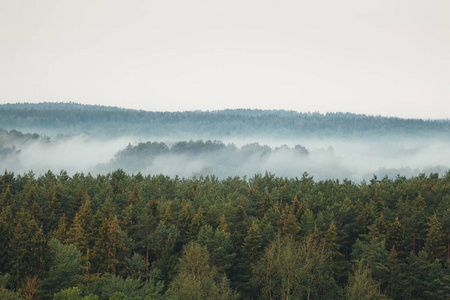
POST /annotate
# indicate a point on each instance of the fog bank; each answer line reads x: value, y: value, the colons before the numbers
x: 354, y: 159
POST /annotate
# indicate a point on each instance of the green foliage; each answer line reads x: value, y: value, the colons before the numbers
x: 361, y: 285
x: 68, y: 294
x: 136, y: 266
x: 26, y: 247
x: 109, y: 249
x: 163, y: 239
x: 197, y: 279
x: 123, y: 236
x: 434, y: 241
x: 289, y: 269
x: 218, y: 244
x: 65, y: 267
x: 110, y: 285
x: 427, y: 279
x: 289, y: 223
x: 10, y: 295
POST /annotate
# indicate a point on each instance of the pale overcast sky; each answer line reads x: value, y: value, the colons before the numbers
x: 388, y: 58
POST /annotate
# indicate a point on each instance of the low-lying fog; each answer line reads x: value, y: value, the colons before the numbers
x: 327, y: 159
x: 75, y: 154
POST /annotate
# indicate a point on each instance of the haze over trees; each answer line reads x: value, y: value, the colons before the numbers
x: 103, y: 121
x: 217, y: 205
x: 239, y: 142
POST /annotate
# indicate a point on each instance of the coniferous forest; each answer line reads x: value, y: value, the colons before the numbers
x: 121, y: 236
x: 103, y: 121
x: 162, y: 218
x: 224, y: 150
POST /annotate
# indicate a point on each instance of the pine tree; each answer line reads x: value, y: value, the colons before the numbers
x: 146, y: 225
x: 417, y: 223
x: 434, y: 241
x: 6, y: 230
x: 240, y: 227
x: 266, y: 202
x: 254, y: 198
x: 446, y: 226
x: 252, y: 244
x: 396, y: 238
x: 108, y: 251
x: 60, y: 232
x: 339, y: 264
x: 365, y: 218
x: 184, y: 219
x: 396, y: 278
x: 197, y: 222
x: 134, y: 197
x: 289, y: 224
x: 168, y: 216
x: 65, y: 267
x: 223, y: 225
x: 308, y: 223
x: 371, y: 250
x: 6, y: 197
x: 219, y: 247
x: 26, y: 247
x: 250, y: 254
x: 30, y: 201
x: 54, y: 210
x: 427, y: 279
x: 82, y: 233
x: 76, y: 203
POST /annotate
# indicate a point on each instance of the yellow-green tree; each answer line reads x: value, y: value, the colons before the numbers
x: 197, y: 278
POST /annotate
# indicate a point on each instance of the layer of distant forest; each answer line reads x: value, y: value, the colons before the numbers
x: 209, y: 157
x: 118, y: 236
x: 111, y: 121
x: 20, y: 152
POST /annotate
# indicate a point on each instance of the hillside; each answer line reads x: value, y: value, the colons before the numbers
x: 101, y: 121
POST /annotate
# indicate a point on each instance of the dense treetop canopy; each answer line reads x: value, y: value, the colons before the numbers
x: 127, y: 234
x: 122, y: 236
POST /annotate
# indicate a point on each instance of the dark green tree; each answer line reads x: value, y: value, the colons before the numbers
x: 65, y: 267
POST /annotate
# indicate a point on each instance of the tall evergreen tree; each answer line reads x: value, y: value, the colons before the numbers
x: 289, y: 224
x: 434, y: 241
x: 26, y: 247
x: 65, y: 270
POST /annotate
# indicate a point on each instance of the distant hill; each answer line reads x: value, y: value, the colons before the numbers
x: 57, y: 106
x: 104, y: 121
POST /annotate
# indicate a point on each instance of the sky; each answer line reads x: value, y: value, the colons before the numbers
x: 389, y: 58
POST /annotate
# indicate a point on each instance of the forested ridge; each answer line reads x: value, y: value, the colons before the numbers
x: 108, y: 121
x: 213, y: 157
x: 121, y: 236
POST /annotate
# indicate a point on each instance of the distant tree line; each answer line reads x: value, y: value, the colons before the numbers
x: 134, y: 159
x: 110, y: 121
x: 121, y: 236
x: 12, y: 141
